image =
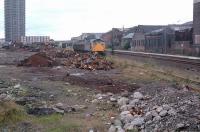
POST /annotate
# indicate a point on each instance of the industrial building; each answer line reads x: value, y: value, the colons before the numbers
x: 113, y: 37
x: 171, y: 39
x: 138, y: 40
x: 159, y: 41
x: 14, y: 20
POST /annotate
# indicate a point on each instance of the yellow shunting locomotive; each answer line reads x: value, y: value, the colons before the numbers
x: 96, y: 45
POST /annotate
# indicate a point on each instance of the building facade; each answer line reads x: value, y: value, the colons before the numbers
x: 138, y: 41
x: 170, y: 39
x: 113, y: 38
x: 64, y: 44
x: 14, y: 20
x: 159, y: 41
x: 34, y: 39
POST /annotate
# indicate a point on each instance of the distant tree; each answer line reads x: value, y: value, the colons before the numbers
x: 127, y: 46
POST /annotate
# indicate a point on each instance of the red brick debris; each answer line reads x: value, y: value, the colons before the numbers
x: 87, y: 61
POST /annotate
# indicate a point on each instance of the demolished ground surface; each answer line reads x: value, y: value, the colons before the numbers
x: 63, y: 98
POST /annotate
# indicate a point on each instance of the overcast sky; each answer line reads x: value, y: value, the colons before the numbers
x: 63, y: 19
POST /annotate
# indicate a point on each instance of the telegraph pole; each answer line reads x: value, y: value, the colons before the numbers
x: 112, y: 41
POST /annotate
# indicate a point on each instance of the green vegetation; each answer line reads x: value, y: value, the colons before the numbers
x: 44, y: 120
x: 134, y: 130
x: 56, y: 123
x: 127, y: 46
x: 135, y: 71
x: 11, y: 113
x: 65, y: 128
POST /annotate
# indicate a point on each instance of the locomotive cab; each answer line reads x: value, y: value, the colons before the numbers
x: 98, y: 45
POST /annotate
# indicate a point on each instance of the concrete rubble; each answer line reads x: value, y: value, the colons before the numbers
x: 143, y: 115
x: 136, y: 113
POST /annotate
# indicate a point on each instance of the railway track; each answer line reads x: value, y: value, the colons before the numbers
x: 187, y: 60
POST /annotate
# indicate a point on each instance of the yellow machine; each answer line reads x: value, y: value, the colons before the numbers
x: 98, y: 46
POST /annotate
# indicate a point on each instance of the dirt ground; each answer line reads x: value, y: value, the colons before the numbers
x: 78, y: 89
x: 49, y: 86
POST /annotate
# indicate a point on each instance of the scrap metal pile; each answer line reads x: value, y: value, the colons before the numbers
x: 49, y: 58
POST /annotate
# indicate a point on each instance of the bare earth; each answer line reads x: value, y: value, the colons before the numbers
x: 67, y: 99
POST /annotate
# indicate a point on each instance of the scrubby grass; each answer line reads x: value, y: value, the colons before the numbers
x: 65, y: 128
x: 147, y: 72
x: 67, y: 123
x: 11, y: 113
x: 134, y: 130
x: 50, y: 119
x: 76, y: 123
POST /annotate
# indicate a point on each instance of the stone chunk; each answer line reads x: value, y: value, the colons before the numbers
x: 157, y: 118
x: 139, y: 121
x: 154, y: 113
x: 166, y: 107
x: 163, y: 113
x: 172, y: 112
x: 123, y: 101
x: 138, y: 95
x: 134, y: 102
x: 112, y: 128
x: 112, y: 99
x: 117, y: 123
x: 159, y: 109
x: 148, y: 116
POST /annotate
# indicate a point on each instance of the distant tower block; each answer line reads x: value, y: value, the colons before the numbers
x: 196, y: 22
x: 14, y: 20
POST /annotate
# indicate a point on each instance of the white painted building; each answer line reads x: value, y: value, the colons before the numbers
x: 35, y: 39
x: 64, y: 44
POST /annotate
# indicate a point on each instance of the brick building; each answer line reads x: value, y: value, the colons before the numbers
x: 113, y: 37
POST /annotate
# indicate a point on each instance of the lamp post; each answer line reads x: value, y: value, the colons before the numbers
x: 112, y: 41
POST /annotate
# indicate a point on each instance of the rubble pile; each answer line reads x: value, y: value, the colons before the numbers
x: 89, y: 61
x: 143, y: 113
x: 38, y: 60
x: 49, y: 58
x: 64, y: 53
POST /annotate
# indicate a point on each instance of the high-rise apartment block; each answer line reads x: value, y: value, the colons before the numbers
x: 14, y: 20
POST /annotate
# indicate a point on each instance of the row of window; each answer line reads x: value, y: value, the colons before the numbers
x: 65, y: 45
x: 148, y: 43
x: 35, y: 39
x: 138, y: 43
